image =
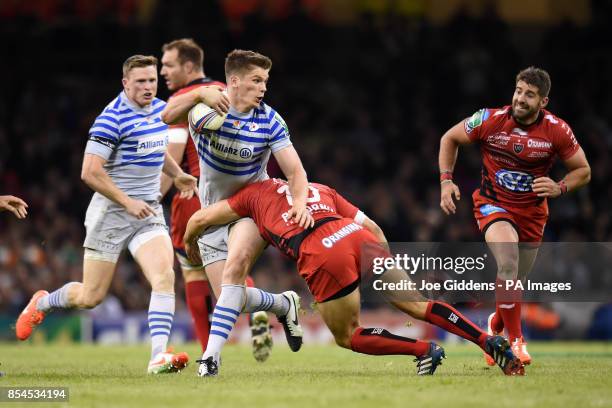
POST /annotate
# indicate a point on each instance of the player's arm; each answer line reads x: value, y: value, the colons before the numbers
x: 176, y: 151
x: 178, y: 106
x: 376, y: 230
x: 291, y: 165
x: 219, y: 213
x: 579, y: 174
x: 185, y: 183
x: 94, y: 175
x: 449, y: 148
x: 348, y: 210
x: 15, y: 205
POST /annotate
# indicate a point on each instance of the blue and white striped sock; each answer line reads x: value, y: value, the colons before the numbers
x: 224, y: 318
x: 161, y: 314
x: 258, y: 299
x: 57, y: 299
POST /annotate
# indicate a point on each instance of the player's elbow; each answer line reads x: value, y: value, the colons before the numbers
x: 375, y: 229
x: 587, y: 174
x: 449, y: 140
x: 166, y: 117
x: 89, y: 175
x: 86, y: 176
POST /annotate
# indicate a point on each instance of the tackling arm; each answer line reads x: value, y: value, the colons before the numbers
x: 219, y: 213
x: 178, y: 106
x: 377, y: 231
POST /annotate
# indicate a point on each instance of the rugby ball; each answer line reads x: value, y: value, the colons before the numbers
x: 203, y: 117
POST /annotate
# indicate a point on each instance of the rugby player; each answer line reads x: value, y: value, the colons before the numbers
x: 519, y: 144
x: 124, y: 158
x: 330, y: 256
x: 231, y: 157
x: 183, y: 69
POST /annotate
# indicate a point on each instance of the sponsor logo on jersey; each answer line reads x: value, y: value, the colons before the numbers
x: 237, y: 124
x: 244, y: 153
x: 253, y: 127
x: 151, y: 144
x: 283, y: 124
x: 538, y: 154
x: 518, y: 147
x: 476, y: 120
x: 539, y: 144
x: 504, y: 160
x: 499, y: 139
x: 343, y: 232
x: 516, y: 181
x: 519, y: 131
x: 489, y: 209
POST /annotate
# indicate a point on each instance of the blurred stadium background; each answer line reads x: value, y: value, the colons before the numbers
x: 367, y: 88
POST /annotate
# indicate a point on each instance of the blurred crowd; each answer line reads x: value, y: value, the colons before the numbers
x: 366, y: 105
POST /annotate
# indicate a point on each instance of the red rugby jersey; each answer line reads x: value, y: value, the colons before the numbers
x: 190, y: 163
x: 514, y: 155
x: 268, y: 203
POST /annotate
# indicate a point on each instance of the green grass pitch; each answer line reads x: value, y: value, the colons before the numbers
x: 563, y: 375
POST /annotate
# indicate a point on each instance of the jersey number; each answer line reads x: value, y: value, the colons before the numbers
x: 315, y: 198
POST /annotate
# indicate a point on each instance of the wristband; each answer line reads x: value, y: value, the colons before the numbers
x: 446, y: 175
x: 563, y: 187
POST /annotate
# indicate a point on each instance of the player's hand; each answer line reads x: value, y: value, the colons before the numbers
x: 193, y: 251
x: 15, y: 205
x: 139, y: 209
x: 447, y: 204
x: 546, y: 187
x: 186, y: 184
x: 190, y: 238
x: 214, y: 97
x: 300, y: 215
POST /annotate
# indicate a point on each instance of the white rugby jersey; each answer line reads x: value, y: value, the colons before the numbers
x: 237, y: 154
x: 133, y: 140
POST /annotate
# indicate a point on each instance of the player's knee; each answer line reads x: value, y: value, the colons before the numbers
x: 190, y: 275
x: 343, y: 335
x: 163, y: 281
x: 237, y: 268
x: 507, y: 268
x: 343, y: 340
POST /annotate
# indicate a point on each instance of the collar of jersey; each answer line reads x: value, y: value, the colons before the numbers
x: 146, y: 110
x: 240, y: 115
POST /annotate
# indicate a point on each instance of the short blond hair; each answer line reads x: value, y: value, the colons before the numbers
x: 138, y: 61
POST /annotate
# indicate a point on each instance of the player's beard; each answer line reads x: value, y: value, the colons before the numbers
x: 528, y: 114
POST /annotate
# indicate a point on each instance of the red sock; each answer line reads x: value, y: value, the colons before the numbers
x: 250, y: 283
x: 497, y: 323
x: 380, y: 342
x: 451, y: 320
x: 509, y: 304
x: 199, y: 301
